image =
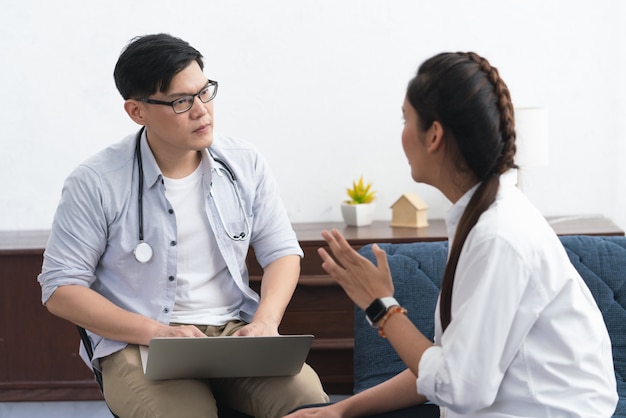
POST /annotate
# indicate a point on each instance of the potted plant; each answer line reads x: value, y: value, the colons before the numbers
x: 358, y: 210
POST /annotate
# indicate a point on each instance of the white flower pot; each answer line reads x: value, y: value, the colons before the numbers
x: 358, y: 215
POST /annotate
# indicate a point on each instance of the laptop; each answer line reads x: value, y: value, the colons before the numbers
x: 213, y: 357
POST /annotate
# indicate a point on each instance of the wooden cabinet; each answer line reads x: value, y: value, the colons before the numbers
x: 39, y: 352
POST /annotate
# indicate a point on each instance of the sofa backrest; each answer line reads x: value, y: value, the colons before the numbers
x: 417, y: 269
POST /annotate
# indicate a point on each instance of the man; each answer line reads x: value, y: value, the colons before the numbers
x: 150, y: 240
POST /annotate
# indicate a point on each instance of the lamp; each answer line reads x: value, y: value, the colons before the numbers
x: 532, y: 135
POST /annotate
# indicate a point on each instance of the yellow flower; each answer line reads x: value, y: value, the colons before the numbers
x: 360, y: 193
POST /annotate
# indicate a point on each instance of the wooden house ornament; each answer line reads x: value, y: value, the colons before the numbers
x: 409, y: 211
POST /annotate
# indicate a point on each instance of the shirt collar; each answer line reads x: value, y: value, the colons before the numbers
x: 453, y: 216
x: 151, y: 171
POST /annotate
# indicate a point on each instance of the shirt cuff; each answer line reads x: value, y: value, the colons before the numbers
x: 429, y: 365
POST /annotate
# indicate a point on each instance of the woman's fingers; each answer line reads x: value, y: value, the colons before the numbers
x: 341, y: 249
x: 328, y: 263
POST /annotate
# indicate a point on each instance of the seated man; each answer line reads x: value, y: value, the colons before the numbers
x: 150, y: 240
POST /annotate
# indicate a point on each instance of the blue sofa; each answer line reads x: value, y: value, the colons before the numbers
x: 417, y: 269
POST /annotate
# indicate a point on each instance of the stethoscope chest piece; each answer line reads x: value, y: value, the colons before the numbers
x: 143, y: 252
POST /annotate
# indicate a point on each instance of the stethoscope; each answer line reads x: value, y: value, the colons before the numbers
x: 143, y: 251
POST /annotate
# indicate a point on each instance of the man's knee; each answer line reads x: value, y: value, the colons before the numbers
x: 129, y: 394
x: 283, y: 395
x: 306, y: 388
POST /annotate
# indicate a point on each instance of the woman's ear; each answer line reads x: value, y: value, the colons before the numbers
x: 135, y: 111
x: 434, y: 137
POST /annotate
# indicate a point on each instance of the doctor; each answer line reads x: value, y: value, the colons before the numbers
x: 150, y: 240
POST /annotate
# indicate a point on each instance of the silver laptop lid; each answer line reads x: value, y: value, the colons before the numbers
x: 213, y: 357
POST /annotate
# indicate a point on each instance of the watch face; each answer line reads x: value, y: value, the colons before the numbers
x: 375, y: 311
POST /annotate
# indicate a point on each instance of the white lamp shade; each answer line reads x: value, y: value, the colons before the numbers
x: 532, y: 132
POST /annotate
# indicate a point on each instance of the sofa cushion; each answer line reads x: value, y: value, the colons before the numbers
x: 417, y: 269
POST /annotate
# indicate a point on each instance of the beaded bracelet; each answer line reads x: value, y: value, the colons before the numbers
x: 392, y: 310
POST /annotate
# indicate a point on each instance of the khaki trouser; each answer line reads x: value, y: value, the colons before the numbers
x: 129, y: 394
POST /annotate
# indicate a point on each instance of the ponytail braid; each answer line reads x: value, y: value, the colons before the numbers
x: 507, y: 113
x: 486, y: 193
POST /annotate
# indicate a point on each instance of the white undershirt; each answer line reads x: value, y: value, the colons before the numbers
x: 205, y: 292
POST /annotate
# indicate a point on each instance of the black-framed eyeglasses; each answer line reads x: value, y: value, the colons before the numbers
x: 183, y: 104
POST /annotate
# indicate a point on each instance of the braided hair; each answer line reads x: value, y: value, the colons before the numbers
x: 467, y: 96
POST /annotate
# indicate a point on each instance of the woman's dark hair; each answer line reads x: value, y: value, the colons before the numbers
x: 473, y: 104
x: 148, y: 64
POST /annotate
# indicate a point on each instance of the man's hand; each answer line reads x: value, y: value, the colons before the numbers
x: 256, y: 329
x: 168, y: 331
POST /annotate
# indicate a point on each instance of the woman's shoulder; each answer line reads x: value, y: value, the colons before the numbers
x: 513, y: 220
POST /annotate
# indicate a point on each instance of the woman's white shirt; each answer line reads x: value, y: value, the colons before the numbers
x: 526, y: 337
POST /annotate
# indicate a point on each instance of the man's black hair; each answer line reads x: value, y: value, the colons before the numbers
x: 148, y: 64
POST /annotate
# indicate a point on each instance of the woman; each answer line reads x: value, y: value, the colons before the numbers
x: 518, y: 334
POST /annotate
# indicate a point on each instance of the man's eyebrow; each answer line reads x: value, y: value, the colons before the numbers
x: 177, y: 95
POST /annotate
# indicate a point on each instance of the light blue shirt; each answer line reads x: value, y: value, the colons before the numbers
x: 96, y: 228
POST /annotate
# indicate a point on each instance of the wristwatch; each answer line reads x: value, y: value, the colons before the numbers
x: 378, y: 309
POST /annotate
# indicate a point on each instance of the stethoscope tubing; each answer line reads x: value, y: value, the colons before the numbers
x: 143, y: 251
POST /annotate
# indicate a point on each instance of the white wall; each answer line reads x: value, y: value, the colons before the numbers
x: 317, y: 86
